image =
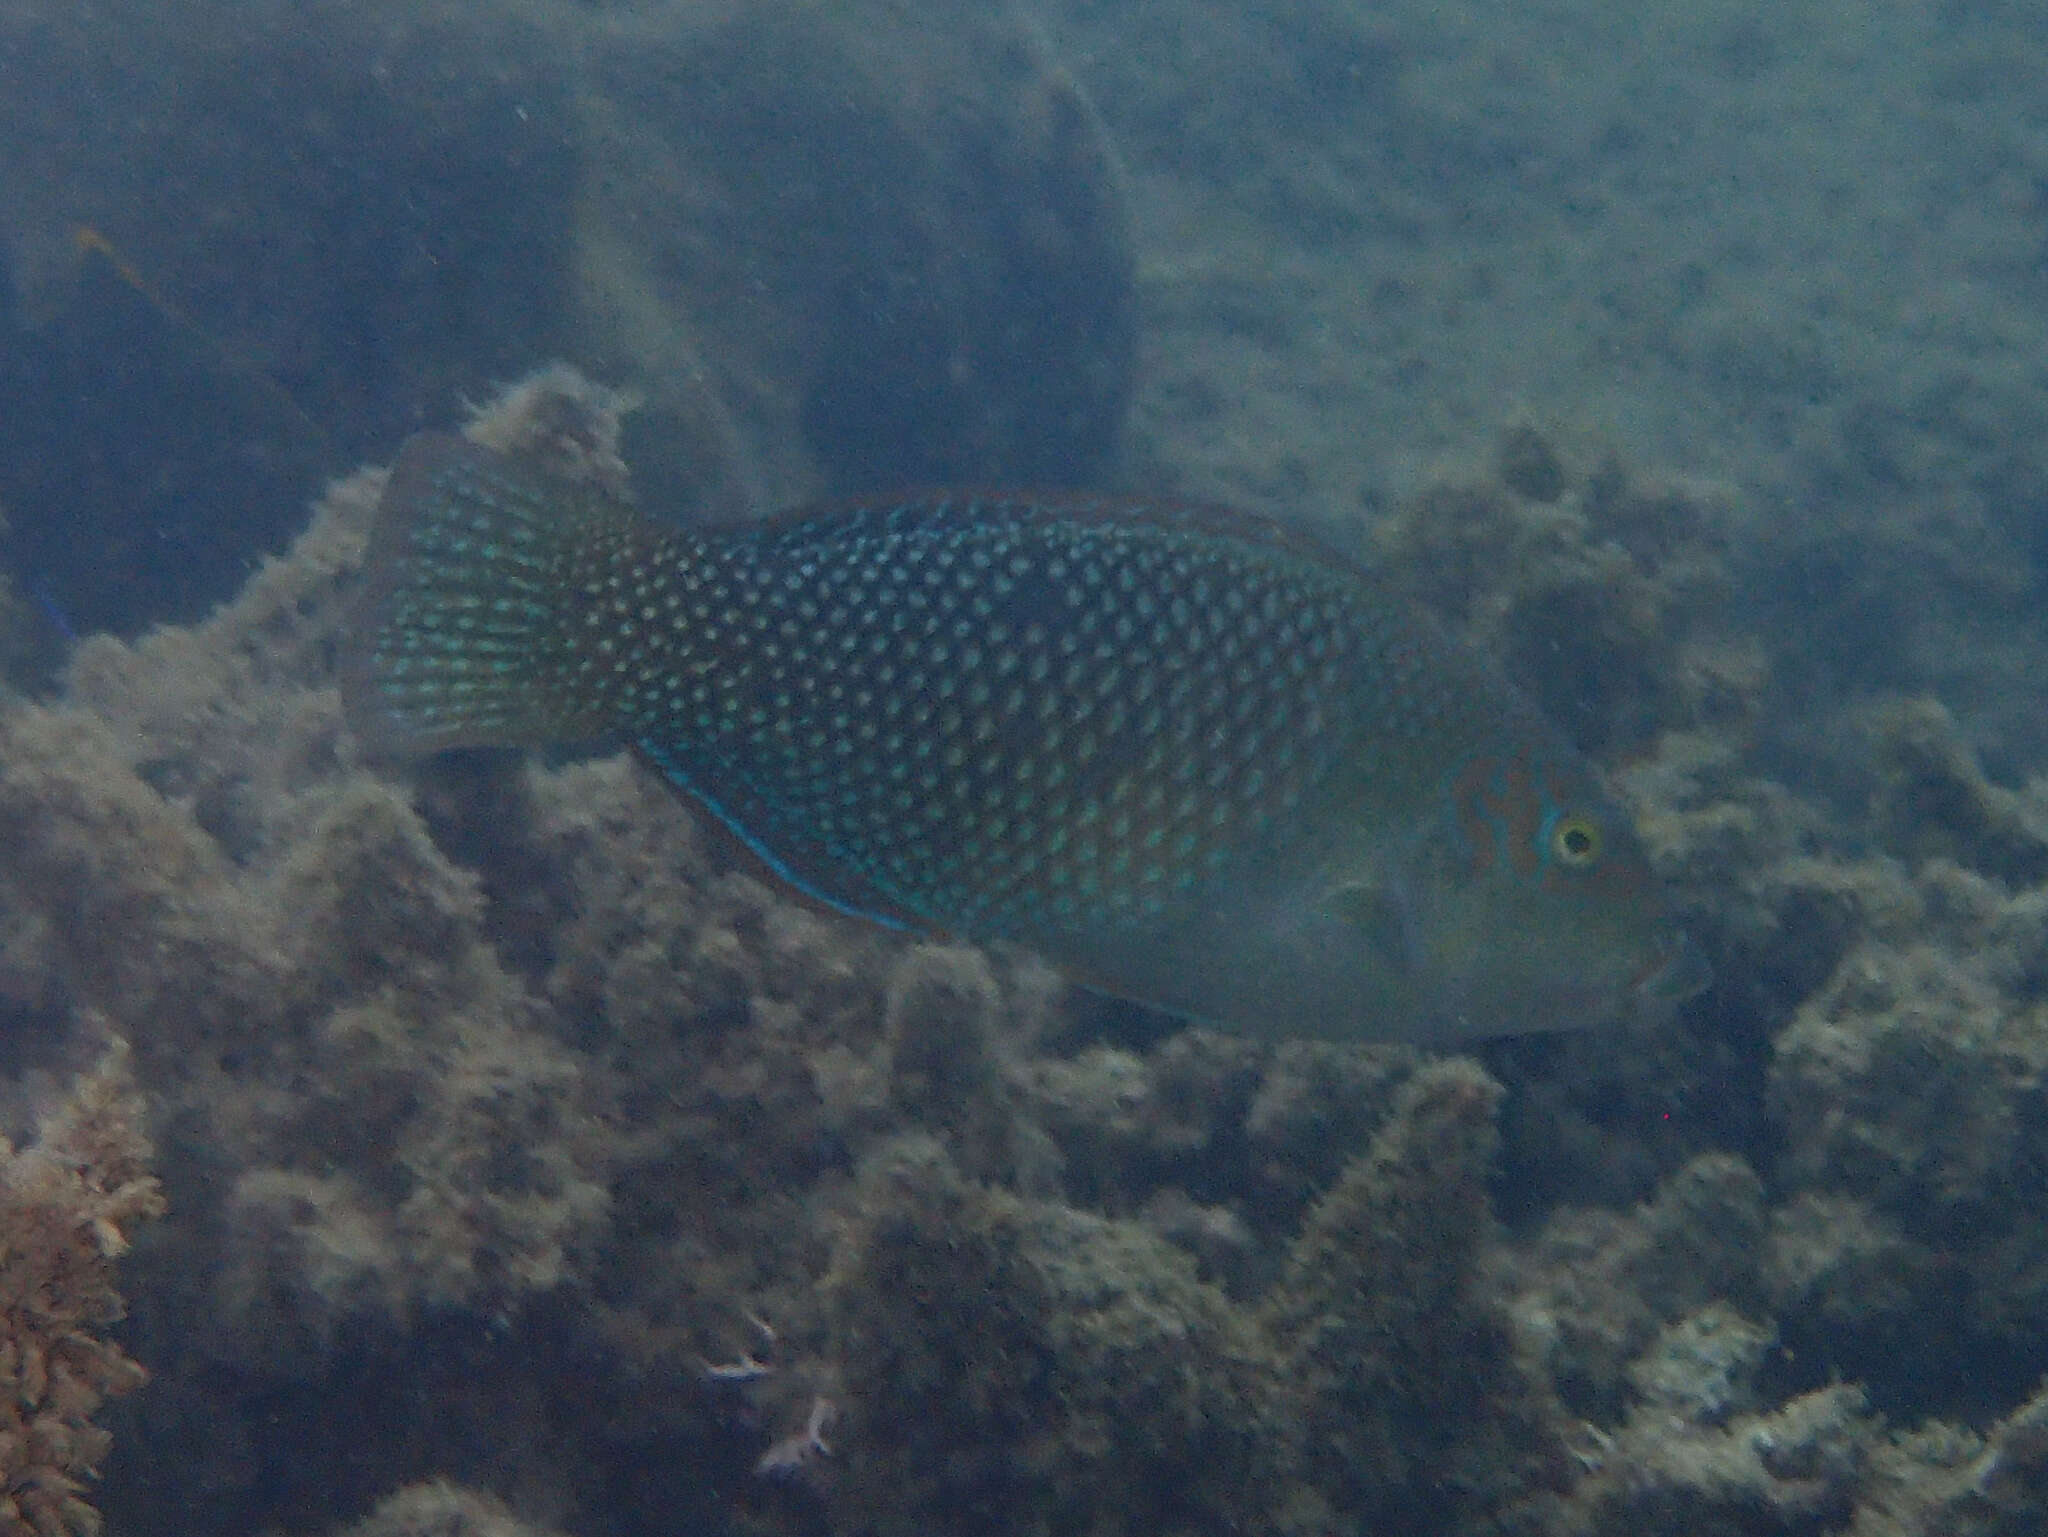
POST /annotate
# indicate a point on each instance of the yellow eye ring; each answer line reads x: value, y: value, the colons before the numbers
x: 1575, y: 840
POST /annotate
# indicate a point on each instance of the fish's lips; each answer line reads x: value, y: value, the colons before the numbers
x: 1680, y: 973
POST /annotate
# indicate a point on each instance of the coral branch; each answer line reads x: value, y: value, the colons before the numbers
x: 66, y: 1203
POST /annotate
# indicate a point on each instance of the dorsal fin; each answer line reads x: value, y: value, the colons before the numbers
x: 936, y: 504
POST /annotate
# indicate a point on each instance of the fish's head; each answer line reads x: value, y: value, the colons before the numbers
x: 1529, y: 904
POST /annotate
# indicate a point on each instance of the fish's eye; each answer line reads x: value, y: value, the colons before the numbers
x: 1575, y: 840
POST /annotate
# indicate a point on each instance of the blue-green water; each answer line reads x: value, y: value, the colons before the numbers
x: 517, y: 1132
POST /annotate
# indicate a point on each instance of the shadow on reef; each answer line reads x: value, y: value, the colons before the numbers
x: 144, y: 466
x: 824, y: 245
x: 456, y: 1397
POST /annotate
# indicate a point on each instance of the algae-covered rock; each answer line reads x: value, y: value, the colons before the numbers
x: 1594, y: 590
x: 1933, y: 799
x: 1907, y: 1089
x: 513, y: 1122
x: 1001, y: 1353
x: 1793, y: 1470
x: 437, y: 1508
x: 1018, y: 1361
x: 1913, y: 1054
x: 1703, y: 1367
x: 1944, y: 1481
x: 1414, y: 1402
x: 1593, y: 1289
x: 1129, y: 1123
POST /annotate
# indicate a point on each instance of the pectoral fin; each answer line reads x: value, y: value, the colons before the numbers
x: 1377, y: 918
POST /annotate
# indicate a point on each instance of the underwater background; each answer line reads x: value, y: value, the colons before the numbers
x: 478, y: 1146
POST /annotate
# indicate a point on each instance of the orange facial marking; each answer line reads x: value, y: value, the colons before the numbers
x: 1499, y: 814
x: 1467, y: 792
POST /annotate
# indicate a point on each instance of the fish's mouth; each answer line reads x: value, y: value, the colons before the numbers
x: 1679, y: 971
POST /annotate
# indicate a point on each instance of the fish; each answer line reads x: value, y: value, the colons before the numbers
x: 1187, y: 754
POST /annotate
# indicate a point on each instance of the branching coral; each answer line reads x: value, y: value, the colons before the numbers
x: 66, y: 1204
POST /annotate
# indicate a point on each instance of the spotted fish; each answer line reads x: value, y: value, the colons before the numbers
x: 1191, y: 757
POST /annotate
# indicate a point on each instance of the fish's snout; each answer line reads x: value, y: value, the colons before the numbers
x: 1680, y: 972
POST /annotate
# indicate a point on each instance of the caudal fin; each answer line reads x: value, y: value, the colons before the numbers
x: 462, y: 636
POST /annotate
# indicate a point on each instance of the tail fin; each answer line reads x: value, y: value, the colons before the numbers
x: 462, y: 636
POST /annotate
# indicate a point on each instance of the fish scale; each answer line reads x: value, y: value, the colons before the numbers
x: 1193, y: 757
x: 980, y: 736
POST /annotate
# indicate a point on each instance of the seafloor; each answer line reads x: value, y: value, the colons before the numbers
x: 479, y: 1147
